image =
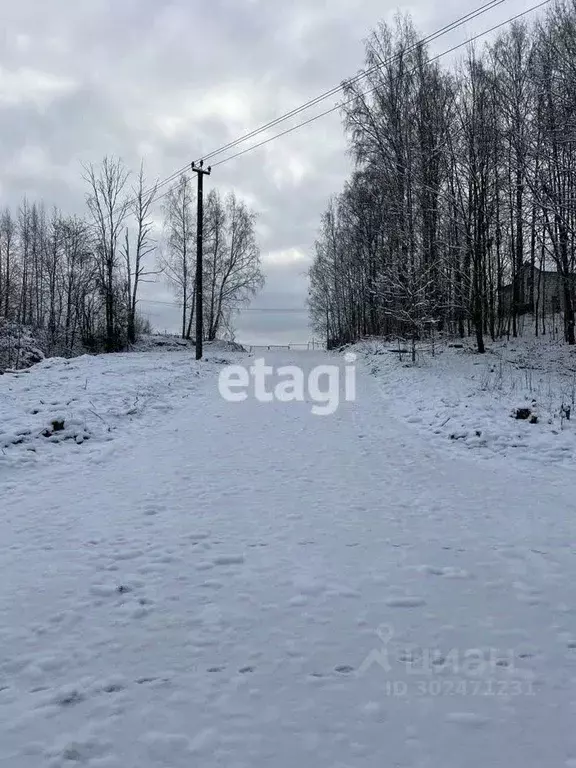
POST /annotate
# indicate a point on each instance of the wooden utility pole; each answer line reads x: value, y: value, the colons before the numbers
x: 201, y: 171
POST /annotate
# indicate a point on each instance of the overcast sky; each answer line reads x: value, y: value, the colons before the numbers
x: 169, y: 80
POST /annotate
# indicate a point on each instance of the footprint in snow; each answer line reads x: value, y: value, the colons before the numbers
x: 212, y: 584
x: 467, y: 718
x: 153, y: 509
x: 68, y: 696
x: 196, y: 537
x: 228, y: 560
x: 115, y: 685
x: 448, y: 572
x: 127, y: 554
x: 298, y: 601
x: 405, y: 602
x: 204, y: 566
x: 103, y: 590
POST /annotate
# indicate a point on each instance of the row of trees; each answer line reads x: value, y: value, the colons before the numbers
x: 76, y: 280
x: 462, y: 178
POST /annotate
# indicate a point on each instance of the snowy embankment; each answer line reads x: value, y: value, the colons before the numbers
x: 465, y: 400
x: 82, y: 401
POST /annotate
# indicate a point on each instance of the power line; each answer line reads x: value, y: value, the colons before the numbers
x: 364, y: 93
x: 371, y: 90
x: 470, y: 16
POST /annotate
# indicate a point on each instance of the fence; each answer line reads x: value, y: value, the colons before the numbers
x: 307, y: 346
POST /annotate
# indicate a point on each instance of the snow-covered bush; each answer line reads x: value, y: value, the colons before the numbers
x: 18, y: 347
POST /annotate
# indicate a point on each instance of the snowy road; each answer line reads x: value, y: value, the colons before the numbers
x: 250, y: 585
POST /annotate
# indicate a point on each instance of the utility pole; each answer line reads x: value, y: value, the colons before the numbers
x: 201, y: 171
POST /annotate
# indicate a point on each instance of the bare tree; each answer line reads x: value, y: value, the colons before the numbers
x: 232, y: 260
x: 178, y: 261
x: 78, y: 281
x: 108, y: 206
x: 144, y: 245
x: 7, y: 247
x: 512, y: 54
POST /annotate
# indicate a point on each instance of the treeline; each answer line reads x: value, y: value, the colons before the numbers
x: 464, y: 180
x: 46, y: 276
x: 75, y: 281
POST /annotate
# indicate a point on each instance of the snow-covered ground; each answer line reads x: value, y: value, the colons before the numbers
x: 83, y: 401
x: 246, y: 585
x: 465, y: 400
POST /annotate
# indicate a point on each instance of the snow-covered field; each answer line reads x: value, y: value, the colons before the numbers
x: 246, y: 585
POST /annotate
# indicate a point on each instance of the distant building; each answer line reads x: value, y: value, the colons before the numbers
x: 539, y: 289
